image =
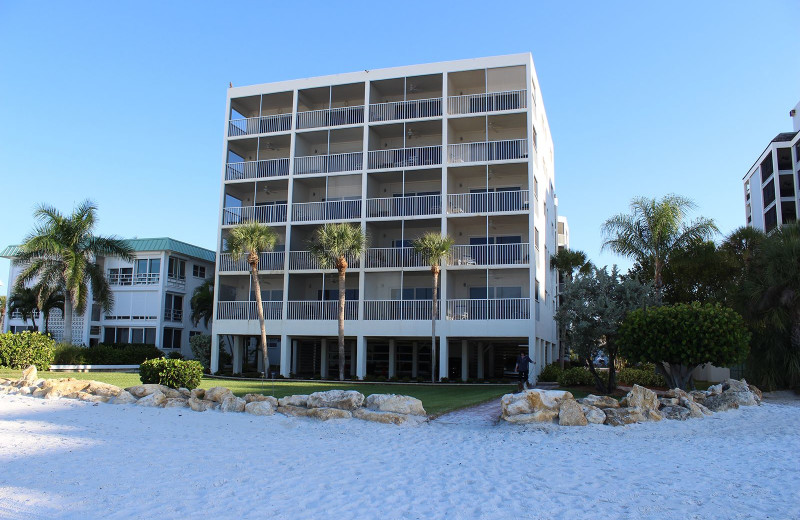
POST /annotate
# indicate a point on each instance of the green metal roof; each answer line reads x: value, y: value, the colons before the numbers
x: 10, y: 252
x: 147, y: 244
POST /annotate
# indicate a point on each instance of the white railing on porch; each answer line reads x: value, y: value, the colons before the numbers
x: 404, y: 157
x: 397, y: 309
x: 173, y: 314
x: 329, y: 210
x: 334, y: 163
x: 265, y: 214
x: 305, y: 260
x: 412, y: 109
x: 260, y: 125
x: 489, y: 254
x: 330, y: 117
x: 404, y: 206
x: 236, y: 171
x: 491, y: 102
x: 488, y: 202
x: 233, y: 310
x: 321, y: 310
x: 393, y: 257
x: 488, y: 151
x: 493, y: 309
x: 268, y: 261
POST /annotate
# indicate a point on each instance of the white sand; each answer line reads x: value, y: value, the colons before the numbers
x: 69, y: 459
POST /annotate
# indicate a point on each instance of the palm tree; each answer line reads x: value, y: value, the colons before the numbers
x: 62, y: 251
x: 567, y: 261
x: 653, y: 230
x: 23, y: 300
x: 249, y: 240
x: 332, y: 246
x: 49, y: 300
x: 202, y: 302
x: 433, y: 248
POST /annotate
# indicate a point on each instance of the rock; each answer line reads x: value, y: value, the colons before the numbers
x: 593, y: 414
x: 756, y: 392
x: 326, y: 414
x: 176, y: 402
x: 694, y: 409
x: 571, y: 414
x: 387, y: 417
x: 259, y: 408
x: 5, y: 381
x: 668, y: 401
x: 157, y: 398
x: 55, y: 388
x: 293, y: 411
x: 401, y: 404
x: 185, y: 392
x: 698, y: 396
x: 150, y: 388
x: 293, y: 400
x: 217, y: 394
x: 197, y: 393
x: 675, y: 413
x: 201, y: 405
x: 678, y: 393
x: 623, y: 416
x: 124, y: 397
x: 722, y: 402
x: 253, y: 398
x: 735, y: 386
x: 86, y: 396
x: 599, y: 401
x: 25, y: 390
x: 102, y: 389
x: 29, y: 375
x: 746, y: 398
x: 532, y: 401
x: 641, y: 398
x: 715, y: 389
x: 232, y: 404
x: 38, y: 383
x: 341, y: 399
x: 544, y: 416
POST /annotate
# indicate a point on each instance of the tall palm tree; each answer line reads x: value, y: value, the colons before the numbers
x: 332, y: 246
x: 567, y: 261
x: 249, y: 240
x: 202, y: 302
x: 50, y: 299
x: 24, y: 301
x: 433, y: 248
x: 653, y: 230
x: 62, y: 251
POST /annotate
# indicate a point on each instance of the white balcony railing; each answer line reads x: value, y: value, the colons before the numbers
x: 176, y: 282
x: 404, y: 206
x: 489, y: 254
x: 173, y: 314
x: 265, y: 214
x: 488, y: 151
x: 321, y: 310
x: 120, y: 279
x: 266, y: 168
x: 146, y: 278
x: 260, y: 125
x: 488, y: 202
x: 492, y: 102
x: 329, y: 210
x: 494, y: 309
x: 330, y: 117
x: 268, y: 261
x: 414, y: 109
x: 248, y: 310
x: 397, y: 310
x: 393, y: 257
x: 340, y: 162
x: 404, y: 157
x: 304, y: 260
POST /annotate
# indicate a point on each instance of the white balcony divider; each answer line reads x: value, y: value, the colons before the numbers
x: 304, y: 260
x: 260, y: 125
x: 488, y: 202
x: 397, y: 310
x: 494, y: 309
x: 236, y: 171
x: 265, y: 214
x: 488, y: 151
x: 491, y: 102
x: 393, y: 257
x: 173, y: 315
x: 404, y: 206
x: 330, y: 117
x: 321, y: 310
x: 404, y: 157
x: 413, y: 109
x: 340, y: 162
x: 232, y: 310
x: 329, y: 210
x: 268, y: 261
x: 489, y: 254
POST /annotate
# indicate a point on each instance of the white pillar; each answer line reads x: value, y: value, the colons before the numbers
x: 354, y: 358
x: 443, y: 357
x: 360, y: 353
x: 238, y: 349
x: 392, y: 358
x: 285, y: 355
x: 464, y: 360
x: 295, y: 350
x: 480, y: 360
x: 533, y: 353
x: 323, y: 358
x: 414, y: 358
x: 214, y: 353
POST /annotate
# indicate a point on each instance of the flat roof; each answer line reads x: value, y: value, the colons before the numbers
x: 147, y: 244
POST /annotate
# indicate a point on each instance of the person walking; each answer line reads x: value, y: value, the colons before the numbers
x: 523, y: 360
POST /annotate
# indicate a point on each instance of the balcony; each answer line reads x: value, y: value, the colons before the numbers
x: 393, y: 257
x: 494, y: 309
x: 305, y: 261
x: 173, y: 315
x: 489, y: 254
x: 491, y: 102
x: 397, y: 310
x: 415, y: 205
x: 260, y: 125
x: 488, y: 151
x: 176, y: 282
x: 488, y: 202
x: 267, y: 214
x: 321, y: 310
x: 269, y: 261
x: 404, y: 157
x: 335, y: 163
x: 330, y: 117
x: 249, y: 310
x: 399, y: 110
x: 237, y: 171
x: 328, y: 210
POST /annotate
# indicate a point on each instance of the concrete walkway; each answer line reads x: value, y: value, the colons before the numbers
x: 487, y: 413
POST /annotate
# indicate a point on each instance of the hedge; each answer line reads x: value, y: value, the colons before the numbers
x: 640, y: 376
x: 126, y: 354
x: 576, y: 376
x: 174, y: 373
x: 551, y: 373
x: 18, y: 350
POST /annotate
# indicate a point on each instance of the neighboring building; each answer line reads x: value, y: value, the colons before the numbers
x: 563, y: 233
x: 460, y: 147
x: 772, y: 185
x: 151, y: 297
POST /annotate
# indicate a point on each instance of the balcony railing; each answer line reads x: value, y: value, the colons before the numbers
x: 404, y: 157
x: 265, y: 214
x: 321, y: 310
x: 489, y: 254
x: 260, y: 125
x: 266, y: 168
x: 249, y: 310
x: 494, y: 309
x: 176, y: 282
x: 330, y: 117
x: 304, y: 260
x: 269, y: 261
x: 329, y: 210
x: 146, y: 278
x: 404, y: 206
x: 397, y: 310
x: 393, y: 257
x: 173, y: 315
x: 492, y: 102
x: 340, y: 162
x: 488, y: 202
x: 413, y: 109
x: 488, y: 151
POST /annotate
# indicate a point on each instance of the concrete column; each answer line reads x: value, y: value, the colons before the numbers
x: 360, y: 349
x: 323, y: 356
x: 443, y: 357
x: 355, y: 358
x: 481, y: 355
x: 214, y: 353
x: 260, y: 361
x: 285, y: 355
x: 238, y: 351
x: 491, y: 360
x: 464, y: 360
x: 414, y: 358
x: 533, y: 353
x: 295, y: 350
x: 392, y: 358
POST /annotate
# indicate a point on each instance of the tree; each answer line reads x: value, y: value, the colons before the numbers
x: 653, y: 230
x: 48, y: 301
x: 433, y: 248
x: 3, y: 304
x: 592, y: 309
x: 202, y: 302
x: 566, y: 261
x: 249, y: 240
x: 678, y: 338
x: 24, y: 301
x: 62, y: 251
x: 333, y: 245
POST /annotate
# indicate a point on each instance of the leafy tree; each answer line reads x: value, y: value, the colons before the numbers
x: 62, y: 251
x: 593, y: 306
x: 332, y: 246
x: 678, y: 338
x: 202, y: 302
x: 433, y: 248
x: 249, y: 240
x: 3, y: 304
x: 567, y: 261
x: 24, y: 301
x: 48, y: 301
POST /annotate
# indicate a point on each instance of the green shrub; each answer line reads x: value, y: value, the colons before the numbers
x: 640, y: 376
x: 201, y: 349
x: 551, y: 372
x: 69, y: 354
x: 26, y: 348
x: 173, y: 373
x: 576, y: 376
x: 175, y: 355
x: 122, y: 354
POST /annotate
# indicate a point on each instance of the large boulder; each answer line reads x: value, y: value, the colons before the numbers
x: 176, y: 402
x: 341, y: 399
x: 232, y: 404
x: 541, y: 416
x: 293, y: 411
x: 722, y: 402
x: 756, y: 392
x: 735, y: 386
x: 251, y: 398
x: 157, y: 398
x: 387, y: 417
x: 533, y: 401
x: 675, y: 413
x: 102, y: 389
x: 740, y: 390
x: 86, y: 396
x: 677, y: 393
x: 55, y: 388
x: 698, y: 396
x: 29, y: 375
x: 326, y: 414
x: 218, y: 394
x: 696, y: 411
x: 593, y: 414
x: 151, y: 388
x: 201, y: 405
x: 401, y: 404
x: 599, y: 401
x: 197, y: 393
x: 124, y: 397
x: 623, y: 416
x: 293, y: 400
x: 715, y: 389
x: 571, y: 414
x: 668, y: 401
x: 641, y: 398
x: 259, y: 408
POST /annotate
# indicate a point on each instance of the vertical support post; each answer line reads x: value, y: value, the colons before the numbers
x: 392, y: 358
x: 481, y: 355
x: 260, y: 360
x: 323, y: 358
x: 354, y: 358
x: 285, y: 354
x: 238, y: 350
x: 464, y: 360
x: 295, y: 350
x: 360, y: 351
x: 214, y: 353
x: 491, y: 361
x: 533, y: 353
x: 414, y: 358
x: 443, y: 357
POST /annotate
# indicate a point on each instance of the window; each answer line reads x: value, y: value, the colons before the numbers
x: 786, y: 184
x: 116, y: 335
x: 173, y: 307
x: 193, y: 333
x: 198, y: 271
x: 147, y: 270
x: 333, y: 294
x: 535, y: 188
x: 146, y: 335
x: 120, y: 276
x: 770, y: 219
x: 275, y: 295
x: 766, y: 168
x: 536, y: 237
x: 784, y: 158
x: 172, y: 338
x: 536, y: 294
x: 747, y: 191
x: 769, y: 193
x: 176, y: 268
x: 788, y: 212
x: 533, y: 132
x: 797, y: 151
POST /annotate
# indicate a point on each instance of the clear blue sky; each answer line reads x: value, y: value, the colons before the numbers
x: 123, y: 102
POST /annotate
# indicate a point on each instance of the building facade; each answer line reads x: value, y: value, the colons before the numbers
x: 151, y: 297
x: 460, y: 148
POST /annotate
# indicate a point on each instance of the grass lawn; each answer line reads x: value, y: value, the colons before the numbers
x: 437, y: 399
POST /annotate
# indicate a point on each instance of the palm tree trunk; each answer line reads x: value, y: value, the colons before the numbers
x: 658, y: 282
x: 434, y: 309
x: 260, y: 310
x: 67, y: 336
x: 341, y: 323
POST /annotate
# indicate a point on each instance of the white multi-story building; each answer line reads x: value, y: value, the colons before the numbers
x: 151, y: 297
x: 460, y: 148
x: 772, y: 185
